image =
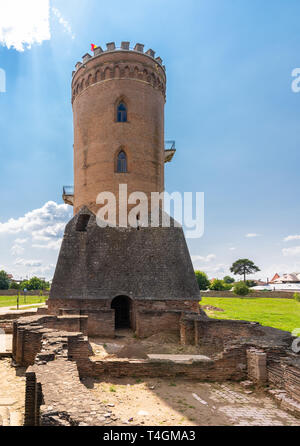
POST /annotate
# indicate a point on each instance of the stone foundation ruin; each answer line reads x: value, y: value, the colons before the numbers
x: 58, y: 354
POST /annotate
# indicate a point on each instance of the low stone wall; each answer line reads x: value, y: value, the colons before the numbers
x: 28, y: 334
x: 253, y: 294
x: 7, y: 319
x: 279, y: 369
x: 215, y: 334
x: 29, y: 293
x: 150, y: 322
x: 54, y: 394
x: 229, y: 366
x: 58, y: 359
x: 100, y: 322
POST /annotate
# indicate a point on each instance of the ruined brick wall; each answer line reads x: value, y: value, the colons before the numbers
x: 291, y: 375
x: 100, y: 322
x: 280, y: 369
x: 29, y: 332
x: 148, y: 316
x: 215, y: 334
x: 257, y: 366
x: 152, y: 322
x: 7, y: 319
x: 230, y: 365
x: 56, y: 397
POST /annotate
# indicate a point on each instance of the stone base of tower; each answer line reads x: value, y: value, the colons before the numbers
x: 140, y: 279
x: 145, y: 318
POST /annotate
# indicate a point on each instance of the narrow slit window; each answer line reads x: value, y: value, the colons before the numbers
x: 122, y: 112
x: 82, y: 222
x: 122, y: 162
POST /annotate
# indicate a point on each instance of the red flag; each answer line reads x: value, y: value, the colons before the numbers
x: 93, y: 47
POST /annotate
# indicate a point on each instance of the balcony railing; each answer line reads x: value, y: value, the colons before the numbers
x: 170, y: 150
x: 68, y: 195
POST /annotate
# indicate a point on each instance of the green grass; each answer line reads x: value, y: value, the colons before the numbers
x: 11, y: 301
x: 278, y: 313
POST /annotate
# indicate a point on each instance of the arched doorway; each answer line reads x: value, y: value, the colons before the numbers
x: 122, y: 307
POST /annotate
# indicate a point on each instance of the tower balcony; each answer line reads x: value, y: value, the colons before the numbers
x: 68, y: 195
x: 170, y: 150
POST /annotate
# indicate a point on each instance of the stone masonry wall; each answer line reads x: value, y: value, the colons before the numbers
x: 28, y: 334
x: 281, y: 371
x: 152, y: 322
x: 100, y: 322
x: 54, y: 393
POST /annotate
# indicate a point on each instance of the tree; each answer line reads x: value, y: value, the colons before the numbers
x: 250, y: 283
x: 35, y: 284
x: 241, y: 289
x: 228, y: 279
x: 14, y: 286
x: 217, y: 285
x: 4, y: 281
x: 202, y: 280
x: 243, y: 267
x: 297, y: 297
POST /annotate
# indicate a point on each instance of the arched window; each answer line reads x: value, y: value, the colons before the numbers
x: 122, y: 112
x: 122, y: 162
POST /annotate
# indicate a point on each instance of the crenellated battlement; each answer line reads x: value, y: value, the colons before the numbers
x: 117, y: 63
x: 125, y: 46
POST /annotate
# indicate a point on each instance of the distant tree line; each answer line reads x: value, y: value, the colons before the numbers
x: 33, y: 284
x: 241, y: 267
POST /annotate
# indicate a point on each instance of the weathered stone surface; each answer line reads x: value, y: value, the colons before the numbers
x: 146, y: 264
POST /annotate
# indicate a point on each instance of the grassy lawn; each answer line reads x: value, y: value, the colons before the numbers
x: 11, y: 301
x: 278, y: 313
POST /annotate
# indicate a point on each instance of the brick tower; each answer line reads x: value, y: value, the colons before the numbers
x: 121, y: 277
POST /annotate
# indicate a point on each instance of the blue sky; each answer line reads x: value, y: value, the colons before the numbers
x: 230, y: 108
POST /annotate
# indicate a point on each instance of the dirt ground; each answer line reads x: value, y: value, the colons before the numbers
x: 125, y: 345
x: 12, y: 394
x: 159, y: 402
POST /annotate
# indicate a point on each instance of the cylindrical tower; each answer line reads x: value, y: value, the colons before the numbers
x: 118, y: 99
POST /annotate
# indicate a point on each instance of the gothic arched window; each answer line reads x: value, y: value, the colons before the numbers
x: 122, y: 162
x: 122, y: 112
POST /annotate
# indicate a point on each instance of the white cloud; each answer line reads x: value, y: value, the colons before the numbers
x: 24, y: 22
x: 232, y: 249
x: 291, y: 238
x: 17, y: 250
x: 46, y: 222
x: 65, y: 24
x: 252, y: 235
x: 21, y: 241
x: 220, y: 270
x: 55, y: 231
x: 295, y: 251
x: 29, y: 263
x: 55, y: 245
x: 35, y: 235
x: 206, y: 259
